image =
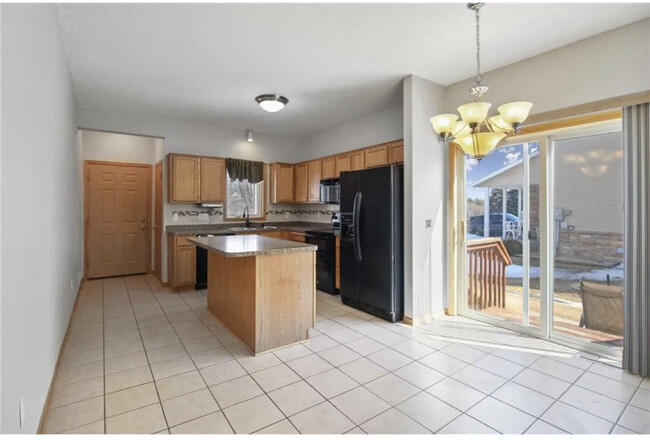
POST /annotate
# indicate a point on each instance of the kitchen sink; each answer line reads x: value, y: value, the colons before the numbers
x: 253, y: 228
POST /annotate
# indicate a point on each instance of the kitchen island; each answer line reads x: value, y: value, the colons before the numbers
x: 261, y: 288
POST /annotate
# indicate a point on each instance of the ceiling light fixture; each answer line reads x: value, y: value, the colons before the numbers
x: 271, y: 102
x: 249, y: 135
x: 477, y: 134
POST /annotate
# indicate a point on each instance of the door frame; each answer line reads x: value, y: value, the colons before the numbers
x: 87, y: 164
x: 157, y: 250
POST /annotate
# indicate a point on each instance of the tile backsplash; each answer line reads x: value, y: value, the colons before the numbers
x: 193, y: 214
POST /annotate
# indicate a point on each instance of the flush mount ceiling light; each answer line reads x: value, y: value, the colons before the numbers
x: 271, y: 102
x: 477, y: 134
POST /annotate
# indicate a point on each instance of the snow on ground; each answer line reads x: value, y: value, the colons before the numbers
x: 599, y: 274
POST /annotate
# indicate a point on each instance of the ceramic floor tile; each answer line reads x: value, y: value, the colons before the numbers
x: 201, y: 344
x: 574, y: 420
x: 74, y: 415
x: 363, y: 370
x: 211, y: 357
x: 539, y: 427
x: 125, y: 362
x: 393, y: 422
x: 259, y: 362
x: 81, y: 357
x: 465, y: 424
x: 327, y: 326
x: 616, y: 374
x: 592, y: 402
x: 222, y: 372
x: 127, y: 347
x: 413, y: 349
x: 443, y: 363
x: 96, y: 428
x: 275, y: 377
x: 149, y: 419
x: 390, y: 359
x: 235, y: 391
x: 188, y: 407
x: 164, y: 353
x: 359, y: 405
x: 557, y: 369
x: 463, y: 352
x: 501, y: 417
x: 523, y: 398
x: 344, y: 335
x: 320, y: 419
x: 169, y: 368
x: 253, y: 415
x: 214, y: 423
x: 419, y: 375
x: 392, y: 389
x: 296, y: 397
x: 126, y: 379
x: 130, y: 399
x: 620, y: 430
x: 641, y: 399
x: 309, y: 365
x: 606, y: 386
x: 429, y: 411
x: 79, y: 391
x: 292, y: 352
x: 283, y: 427
x: 498, y: 366
x: 181, y: 384
x: 517, y: 355
x: 636, y: 419
x: 542, y: 383
x: 365, y: 346
x: 339, y: 355
x: 73, y: 374
x: 331, y: 383
x: 479, y: 379
x: 457, y: 394
x: 320, y: 343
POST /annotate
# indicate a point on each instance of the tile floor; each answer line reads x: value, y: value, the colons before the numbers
x: 140, y: 359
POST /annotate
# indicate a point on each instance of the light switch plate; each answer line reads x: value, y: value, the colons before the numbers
x: 427, y: 223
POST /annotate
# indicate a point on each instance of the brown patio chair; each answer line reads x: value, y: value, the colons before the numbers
x: 602, y: 307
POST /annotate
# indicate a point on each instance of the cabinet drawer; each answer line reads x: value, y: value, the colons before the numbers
x: 183, y: 240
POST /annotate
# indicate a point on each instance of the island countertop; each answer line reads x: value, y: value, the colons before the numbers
x: 250, y: 245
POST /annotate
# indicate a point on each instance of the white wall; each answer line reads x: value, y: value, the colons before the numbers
x: 41, y: 209
x: 607, y: 65
x: 425, y: 197
x: 117, y: 147
x: 375, y: 128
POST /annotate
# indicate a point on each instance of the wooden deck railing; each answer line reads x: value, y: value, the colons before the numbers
x: 488, y: 259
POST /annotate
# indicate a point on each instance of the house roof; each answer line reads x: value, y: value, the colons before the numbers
x: 502, y: 170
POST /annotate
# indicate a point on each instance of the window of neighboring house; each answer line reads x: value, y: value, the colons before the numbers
x: 242, y: 194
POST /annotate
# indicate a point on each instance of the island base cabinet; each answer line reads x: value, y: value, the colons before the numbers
x: 267, y: 301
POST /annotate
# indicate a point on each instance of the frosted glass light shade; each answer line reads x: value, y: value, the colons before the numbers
x: 479, y: 145
x: 444, y: 123
x: 272, y: 106
x: 474, y: 113
x: 498, y: 124
x: 515, y: 113
x: 461, y: 129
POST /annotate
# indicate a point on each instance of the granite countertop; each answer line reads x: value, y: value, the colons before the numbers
x: 225, y: 228
x: 250, y: 245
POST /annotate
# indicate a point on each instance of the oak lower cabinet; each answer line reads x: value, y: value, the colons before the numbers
x: 376, y: 156
x: 314, y: 173
x: 396, y: 152
x: 342, y: 164
x: 301, y: 179
x: 184, y: 174
x: 357, y: 160
x: 282, y: 186
x: 213, y: 179
x: 181, y: 261
x: 329, y: 168
x: 295, y: 236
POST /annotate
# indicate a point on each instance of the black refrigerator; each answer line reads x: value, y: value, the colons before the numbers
x: 372, y: 237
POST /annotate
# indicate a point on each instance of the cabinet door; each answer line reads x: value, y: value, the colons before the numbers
x: 302, y: 183
x: 396, y: 152
x: 329, y: 168
x: 281, y: 183
x: 314, y: 170
x: 213, y: 180
x: 342, y: 164
x: 185, y: 265
x: 184, y: 178
x: 274, y: 234
x: 357, y: 161
x: 376, y: 156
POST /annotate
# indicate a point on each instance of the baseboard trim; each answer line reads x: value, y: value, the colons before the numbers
x: 426, y: 319
x: 46, y: 406
x: 407, y: 320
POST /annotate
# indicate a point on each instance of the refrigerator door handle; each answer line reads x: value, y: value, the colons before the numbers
x: 356, y: 211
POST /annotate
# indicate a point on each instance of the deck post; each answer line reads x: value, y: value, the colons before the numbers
x: 504, y: 204
x: 486, y: 213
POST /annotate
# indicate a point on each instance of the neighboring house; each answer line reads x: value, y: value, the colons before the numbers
x: 588, y: 200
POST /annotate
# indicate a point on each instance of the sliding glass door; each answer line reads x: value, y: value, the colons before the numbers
x: 544, y: 237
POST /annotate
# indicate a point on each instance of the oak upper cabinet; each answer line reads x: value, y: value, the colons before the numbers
x: 315, y: 173
x: 396, y: 152
x: 281, y: 182
x: 184, y: 178
x: 329, y: 168
x: 182, y: 262
x: 342, y: 164
x: 301, y: 183
x: 213, y: 180
x: 357, y: 160
x: 376, y: 156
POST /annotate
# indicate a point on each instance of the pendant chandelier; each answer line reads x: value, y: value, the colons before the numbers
x: 476, y: 134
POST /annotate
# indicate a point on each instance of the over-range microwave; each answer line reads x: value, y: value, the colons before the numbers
x: 330, y: 191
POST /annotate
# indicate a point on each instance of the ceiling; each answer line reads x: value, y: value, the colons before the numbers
x: 335, y: 62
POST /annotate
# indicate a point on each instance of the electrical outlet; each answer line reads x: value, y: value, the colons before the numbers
x: 427, y: 223
x: 21, y: 412
x: 286, y: 215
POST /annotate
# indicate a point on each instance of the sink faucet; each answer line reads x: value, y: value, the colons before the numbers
x: 247, y: 216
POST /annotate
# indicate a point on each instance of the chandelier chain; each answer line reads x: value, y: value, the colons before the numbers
x: 478, y: 48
